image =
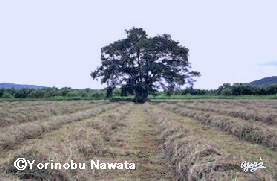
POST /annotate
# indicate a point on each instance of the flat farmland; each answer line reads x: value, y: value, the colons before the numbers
x: 166, y: 140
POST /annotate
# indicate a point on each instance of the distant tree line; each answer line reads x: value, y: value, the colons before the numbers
x: 245, y: 89
x: 52, y: 92
x: 228, y: 90
x: 67, y: 92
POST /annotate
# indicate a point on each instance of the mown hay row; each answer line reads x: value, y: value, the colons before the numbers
x: 195, y: 157
x: 254, y: 132
x: 86, y: 141
x: 262, y: 116
x: 109, y: 124
x: 11, y: 173
x: 29, y: 112
x: 236, y: 104
x: 269, y: 105
x: 16, y: 134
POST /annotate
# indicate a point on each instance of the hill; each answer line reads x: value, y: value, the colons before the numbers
x: 265, y: 81
x: 19, y: 86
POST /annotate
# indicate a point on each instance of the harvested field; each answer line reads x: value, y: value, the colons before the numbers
x: 15, y: 134
x: 192, y: 140
x: 248, y: 110
x: 198, y: 151
x: 19, y: 112
x: 256, y: 132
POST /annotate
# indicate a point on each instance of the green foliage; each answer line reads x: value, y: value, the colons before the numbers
x: 65, y: 91
x: 144, y: 64
x: 53, y: 93
x: 2, y: 91
x: 191, y: 91
x: 116, y: 92
x: 223, y: 92
x: 37, y: 93
x: 98, y: 95
x: 7, y: 95
x: 72, y: 94
x: 253, y: 90
x: 227, y: 92
x: 22, y: 93
x: 126, y: 90
x: 214, y: 97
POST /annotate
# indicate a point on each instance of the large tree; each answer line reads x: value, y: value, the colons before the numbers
x: 144, y: 64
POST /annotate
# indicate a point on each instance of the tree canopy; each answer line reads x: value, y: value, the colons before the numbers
x: 145, y: 64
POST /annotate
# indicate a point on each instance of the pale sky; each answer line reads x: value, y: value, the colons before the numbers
x: 58, y: 42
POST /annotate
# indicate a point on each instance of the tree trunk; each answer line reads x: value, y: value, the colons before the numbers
x: 141, y: 94
x: 109, y: 92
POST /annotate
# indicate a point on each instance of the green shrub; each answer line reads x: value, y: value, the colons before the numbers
x: 72, y: 94
x: 84, y: 94
x: 116, y: 92
x: 22, y: 93
x: 7, y: 95
x: 98, y: 95
x: 226, y: 92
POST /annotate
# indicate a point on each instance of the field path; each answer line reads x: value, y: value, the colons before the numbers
x: 136, y: 142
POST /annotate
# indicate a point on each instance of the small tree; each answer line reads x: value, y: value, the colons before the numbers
x: 7, y: 95
x: 145, y: 64
x: 2, y: 91
x: 227, y: 92
x: 72, y: 94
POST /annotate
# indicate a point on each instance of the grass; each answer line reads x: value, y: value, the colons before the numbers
x: 129, y: 98
x: 151, y: 97
x: 214, y: 97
